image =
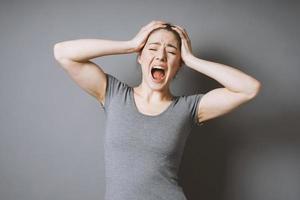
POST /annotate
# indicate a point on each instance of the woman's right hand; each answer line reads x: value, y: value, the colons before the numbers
x: 140, y: 39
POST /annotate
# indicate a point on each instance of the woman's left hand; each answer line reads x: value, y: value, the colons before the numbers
x: 186, y: 47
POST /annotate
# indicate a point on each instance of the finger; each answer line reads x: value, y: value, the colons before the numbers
x: 181, y: 28
x: 182, y: 31
x: 160, y: 21
x: 157, y: 26
x: 178, y: 31
x: 152, y: 26
x: 152, y: 23
x: 157, y: 22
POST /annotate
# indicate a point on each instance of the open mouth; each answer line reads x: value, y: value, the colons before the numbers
x: 158, y: 73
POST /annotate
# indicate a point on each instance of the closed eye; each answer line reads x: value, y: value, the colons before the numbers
x: 168, y: 52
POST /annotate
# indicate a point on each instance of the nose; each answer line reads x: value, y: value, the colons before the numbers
x: 161, y: 55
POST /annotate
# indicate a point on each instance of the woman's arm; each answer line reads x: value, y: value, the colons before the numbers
x: 238, y: 86
x: 233, y: 79
x: 85, y: 49
x: 74, y: 57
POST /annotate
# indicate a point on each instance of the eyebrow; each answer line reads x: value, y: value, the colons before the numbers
x: 169, y: 45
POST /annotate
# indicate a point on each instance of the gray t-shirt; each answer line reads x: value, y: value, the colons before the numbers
x: 143, y: 152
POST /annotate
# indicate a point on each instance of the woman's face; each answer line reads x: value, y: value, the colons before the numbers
x: 161, y: 49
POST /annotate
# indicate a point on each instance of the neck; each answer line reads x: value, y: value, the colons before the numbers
x: 153, y: 95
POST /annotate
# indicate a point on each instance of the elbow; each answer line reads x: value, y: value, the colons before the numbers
x: 58, y: 51
x: 255, y: 90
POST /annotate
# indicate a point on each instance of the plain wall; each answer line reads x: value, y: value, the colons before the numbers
x: 51, y: 131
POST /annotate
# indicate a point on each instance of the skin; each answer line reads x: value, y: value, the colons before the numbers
x: 158, y: 54
x: 238, y: 87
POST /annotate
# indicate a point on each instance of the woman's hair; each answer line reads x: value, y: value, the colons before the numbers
x: 168, y: 28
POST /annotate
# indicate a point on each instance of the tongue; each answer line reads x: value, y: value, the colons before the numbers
x: 158, y: 74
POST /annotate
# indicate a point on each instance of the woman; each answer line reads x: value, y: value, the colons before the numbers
x: 147, y: 126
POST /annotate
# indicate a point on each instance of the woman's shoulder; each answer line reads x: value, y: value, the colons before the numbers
x: 114, y: 81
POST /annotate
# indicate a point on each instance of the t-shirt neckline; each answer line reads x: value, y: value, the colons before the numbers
x: 146, y: 115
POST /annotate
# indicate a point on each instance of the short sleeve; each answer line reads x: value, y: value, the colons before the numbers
x: 113, y: 87
x: 193, y: 103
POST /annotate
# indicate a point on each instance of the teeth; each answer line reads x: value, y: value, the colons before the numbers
x: 158, y: 67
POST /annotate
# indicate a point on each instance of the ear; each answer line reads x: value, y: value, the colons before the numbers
x: 181, y: 63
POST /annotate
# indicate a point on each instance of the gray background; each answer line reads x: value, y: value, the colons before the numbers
x: 51, y: 131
